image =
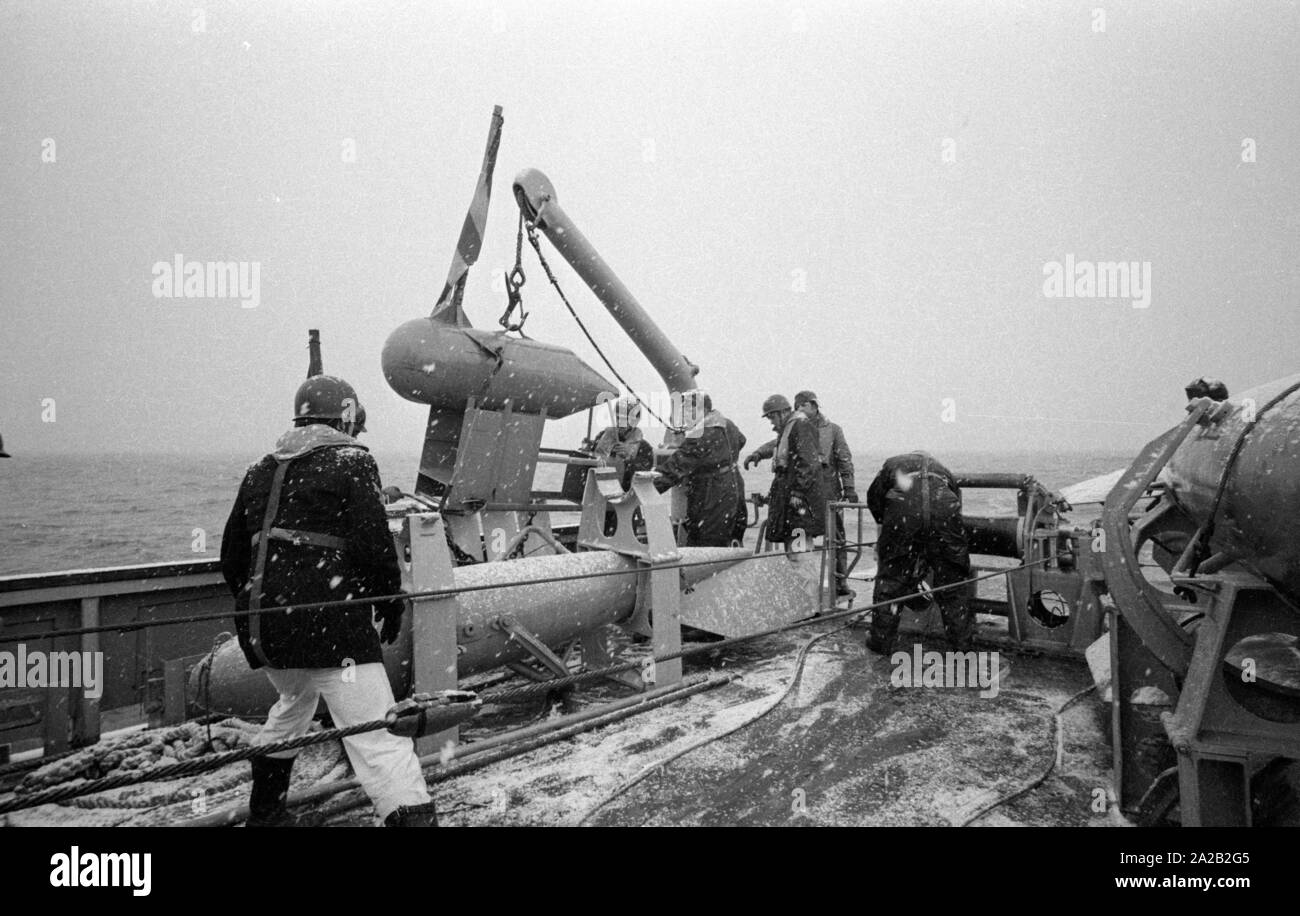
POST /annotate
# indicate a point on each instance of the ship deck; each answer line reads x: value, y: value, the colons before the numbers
x: 844, y: 748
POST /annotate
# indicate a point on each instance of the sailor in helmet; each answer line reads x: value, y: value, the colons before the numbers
x: 838, y: 482
x: 623, y: 445
x: 308, y: 525
x: 796, y: 507
x: 705, y: 463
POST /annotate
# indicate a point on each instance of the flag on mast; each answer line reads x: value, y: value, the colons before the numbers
x: 448, y: 307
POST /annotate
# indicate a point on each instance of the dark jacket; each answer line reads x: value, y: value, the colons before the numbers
x: 705, y: 463
x: 916, y: 503
x: 796, y: 471
x: 838, y: 476
x: 331, y: 488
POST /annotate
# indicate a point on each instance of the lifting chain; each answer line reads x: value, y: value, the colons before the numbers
x: 515, y: 280
x: 550, y: 275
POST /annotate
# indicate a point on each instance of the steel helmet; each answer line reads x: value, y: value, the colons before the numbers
x: 774, y: 403
x: 327, y: 397
x: 805, y: 397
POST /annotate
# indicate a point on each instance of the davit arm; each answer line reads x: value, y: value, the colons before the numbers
x: 536, y: 197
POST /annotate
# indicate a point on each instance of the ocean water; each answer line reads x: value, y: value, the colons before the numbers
x: 60, y: 512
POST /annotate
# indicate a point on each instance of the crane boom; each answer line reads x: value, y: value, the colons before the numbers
x: 536, y: 197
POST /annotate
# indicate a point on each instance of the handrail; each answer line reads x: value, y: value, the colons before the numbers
x: 20, y: 582
x: 826, y: 574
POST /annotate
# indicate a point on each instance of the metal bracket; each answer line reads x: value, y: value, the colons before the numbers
x: 536, y: 648
x: 658, y: 606
x: 434, y: 621
x: 595, y: 654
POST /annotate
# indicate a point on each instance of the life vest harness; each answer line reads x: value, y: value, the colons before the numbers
x: 825, y: 444
x: 298, y: 538
x: 731, y: 465
x: 925, y: 475
x: 781, y: 455
x: 825, y: 441
x: 262, y: 542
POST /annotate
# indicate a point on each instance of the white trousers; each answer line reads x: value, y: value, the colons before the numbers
x: 385, y: 764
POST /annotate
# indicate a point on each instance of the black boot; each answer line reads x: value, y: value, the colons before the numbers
x: 962, y: 643
x: 884, y: 630
x: 959, y: 625
x: 425, y: 815
x: 881, y: 645
x: 266, y: 803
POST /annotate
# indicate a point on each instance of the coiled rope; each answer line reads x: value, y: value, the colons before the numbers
x: 182, y: 768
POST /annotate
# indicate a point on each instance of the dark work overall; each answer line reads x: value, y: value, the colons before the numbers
x: 922, y: 538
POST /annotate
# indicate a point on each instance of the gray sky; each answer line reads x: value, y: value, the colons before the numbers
x: 720, y: 156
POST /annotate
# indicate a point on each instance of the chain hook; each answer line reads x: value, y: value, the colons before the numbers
x: 515, y: 281
x: 514, y: 299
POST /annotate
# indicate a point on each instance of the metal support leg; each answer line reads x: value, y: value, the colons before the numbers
x: 434, y: 653
x: 1139, y: 750
x: 1214, y: 791
x: 58, y: 712
x: 85, y: 712
x: 665, y: 586
x: 665, y: 600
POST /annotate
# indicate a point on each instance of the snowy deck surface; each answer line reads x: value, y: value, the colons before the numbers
x: 845, y: 748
